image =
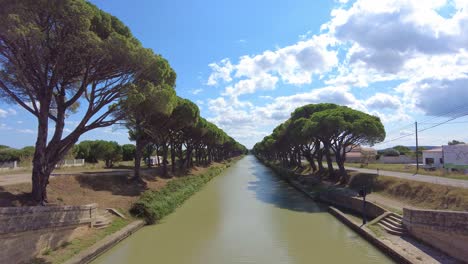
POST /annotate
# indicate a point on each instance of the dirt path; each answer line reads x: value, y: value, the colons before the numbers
x: 10, y: 179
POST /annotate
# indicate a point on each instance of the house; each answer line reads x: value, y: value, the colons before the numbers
x: 433, y: 158
x: 154, y: 160
x: 361, y: 155
x: 450, y: 157
x: 456, y: 157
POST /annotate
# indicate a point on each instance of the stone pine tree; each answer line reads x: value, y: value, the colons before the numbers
x: 343, y: 128
x: 146, y: 107
x: 57, y: 56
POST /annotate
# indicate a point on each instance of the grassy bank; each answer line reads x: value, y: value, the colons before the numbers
x: 154, y: 205
x: 414, y: 193
x: 409, y: 169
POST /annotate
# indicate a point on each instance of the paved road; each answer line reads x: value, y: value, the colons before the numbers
x: 9, y: 179
x: 417, y: 177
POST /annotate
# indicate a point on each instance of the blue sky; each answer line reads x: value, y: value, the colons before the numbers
x: 248, y: 64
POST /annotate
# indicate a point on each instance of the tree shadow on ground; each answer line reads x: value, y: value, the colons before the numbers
x: 8, y: 199
x: 40, y: 261
x: 116, y: 184
x: 270, y: 189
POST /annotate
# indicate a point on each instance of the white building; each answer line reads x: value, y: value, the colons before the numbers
x: 433, y: 158
x: 456, y: 157
x: 451, y: 157
x: 153, y: 160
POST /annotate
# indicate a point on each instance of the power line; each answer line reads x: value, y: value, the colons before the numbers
x: 460, y: 107
x: 434, y: 126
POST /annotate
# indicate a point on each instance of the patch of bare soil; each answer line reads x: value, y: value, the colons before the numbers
x: 108, y: 190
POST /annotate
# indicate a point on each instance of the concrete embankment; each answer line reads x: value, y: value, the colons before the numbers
x: 108, y: 242
x: 369, y: 236
x: 445, y: 230
x: 26, y: 231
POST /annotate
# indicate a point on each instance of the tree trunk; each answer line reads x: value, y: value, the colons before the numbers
x: 165, y: 150
x: 331, y: 171
x: 173, y: 159
x: 311, y: 162
x: 41, y: 171
x: 138, y: 153
x: 188, y: 157
x: 340, y: 162
x: 320, y: 161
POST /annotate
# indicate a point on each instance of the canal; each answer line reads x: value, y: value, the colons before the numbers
x: 246, y: 215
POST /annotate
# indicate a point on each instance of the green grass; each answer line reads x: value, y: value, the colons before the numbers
x: 418, y: 194
x: 70, y: 249
x: 410, y: 169
x: 378, y: 231
x: 154, y: 205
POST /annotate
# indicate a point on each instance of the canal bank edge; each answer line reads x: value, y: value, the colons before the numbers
x: 91, y: 253
x: 99, y: 248
x: 368, y: 236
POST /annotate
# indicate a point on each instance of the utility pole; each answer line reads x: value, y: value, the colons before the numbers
x: 417, y: 147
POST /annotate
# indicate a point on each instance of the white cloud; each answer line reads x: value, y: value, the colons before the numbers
x: 220, y: 72
x: 197, y: 91
x: 3, y: 113
x: 437, y: 97
x: 383, y: 101
x: 248, y: 86
x: 4, y: 127
x: 295, y: 64
x: 26, y: 131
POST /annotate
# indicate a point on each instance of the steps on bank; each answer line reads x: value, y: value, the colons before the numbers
x: 103, y: 220
x: 393, y: 224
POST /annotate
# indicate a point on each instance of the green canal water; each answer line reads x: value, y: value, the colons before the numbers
x: 246, y: 215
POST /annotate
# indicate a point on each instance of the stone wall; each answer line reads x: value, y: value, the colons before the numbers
x: 444, y: 230
x: 351, y: 203
x: 398, y: 160
x: 26, y: 231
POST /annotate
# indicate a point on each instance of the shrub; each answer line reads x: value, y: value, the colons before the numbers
x: 154, y: 205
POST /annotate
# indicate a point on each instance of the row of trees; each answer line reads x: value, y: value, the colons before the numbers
x: 60, y: 57
x: 90, y: 150
x: 109, y: 151
x: 172, y: 126
x: 317, y: 132
x: 12, y: 154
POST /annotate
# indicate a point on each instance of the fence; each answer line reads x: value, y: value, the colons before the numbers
x: 8, y: 164
x: 71, y: 163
